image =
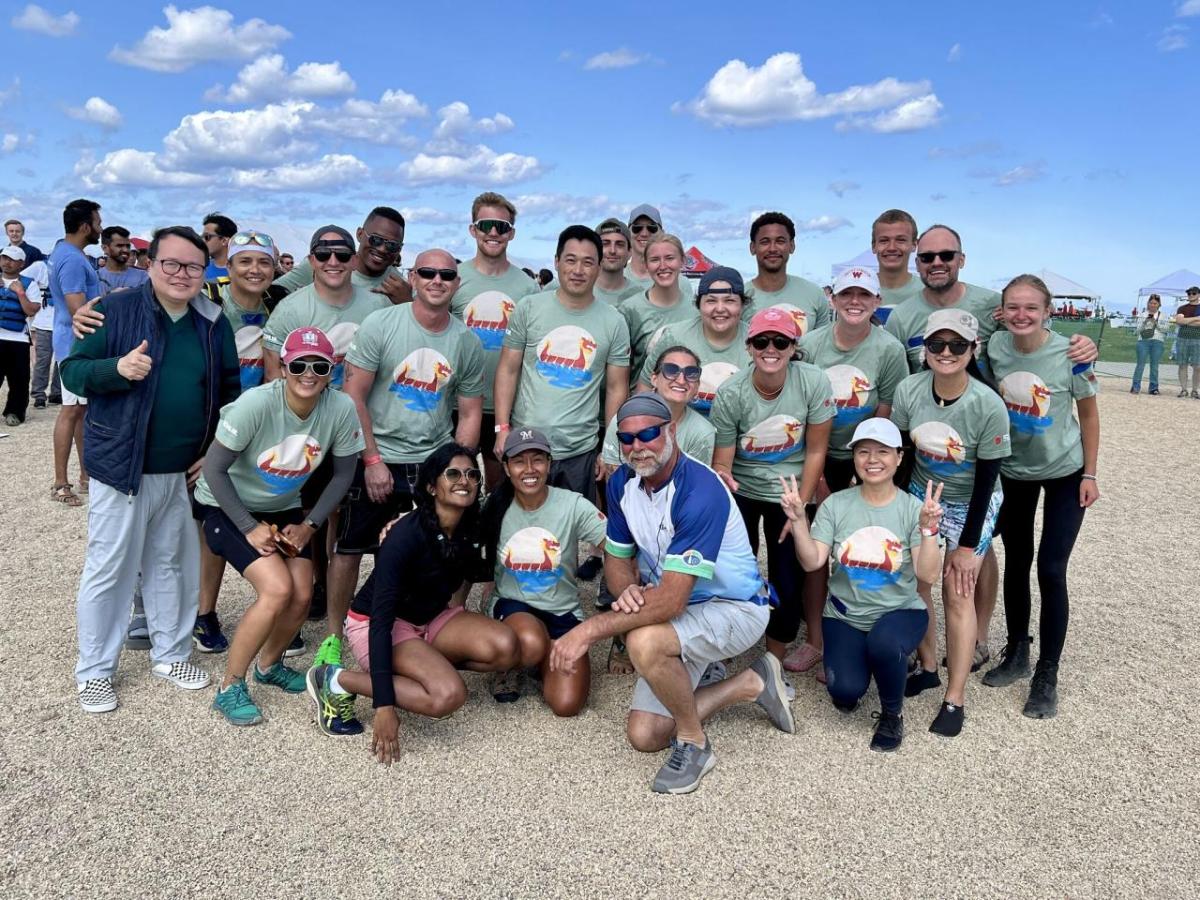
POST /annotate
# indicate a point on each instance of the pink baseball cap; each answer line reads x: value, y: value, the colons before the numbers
x: 307, y: 342
x: 772, y: 319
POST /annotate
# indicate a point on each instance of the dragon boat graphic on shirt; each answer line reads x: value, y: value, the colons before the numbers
x: 712, y: 376
x: 851, y: 394
x: 1028, y: 400
x: 341, y: 336
x: 565, y: 356
x: 248, y: 340
x: 420, y: 380
x: 872, y: 557
x: 773, y: 439
x: 487, y: 316
x: 533, y: 557
x: 940, y: 448
x: 288, y: 464
x: 799, y: 316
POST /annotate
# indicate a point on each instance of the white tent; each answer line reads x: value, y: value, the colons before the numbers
x: 1065, y: 287
x: 864, y: 260
x: 1173, y: 285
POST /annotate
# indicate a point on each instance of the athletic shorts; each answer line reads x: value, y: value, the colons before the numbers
x: 315, y: 484
x: 362, y: 520
x: 226, y: 540
x: 69, y: 399
x: 557, y: 624
x: 954, y: 517
x: 708, y: 632
x: 838, y: 473
x: 358, y: 630
x: 1187, y: 353
x: 577, y: 473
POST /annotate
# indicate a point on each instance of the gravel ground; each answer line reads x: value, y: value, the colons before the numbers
x: 164, y: 799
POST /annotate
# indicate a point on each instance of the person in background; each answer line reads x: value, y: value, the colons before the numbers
x: 1187, y: 343
x: 117, y: 272
x: 1151, y: 339
x: 15, y: 229
x: 218, y: 229
x: 19, y: 299
x: 41, y: 335
x: 544, y: 277
x: 286, y: 263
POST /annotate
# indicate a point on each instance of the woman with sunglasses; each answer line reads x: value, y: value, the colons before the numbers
x: 1054, y: 452
x: 957, y: 428
x: 660, y: 304
x: 404, y: 628
x: 268, y: 443
x: 718, y: 334
x: 773, y: 420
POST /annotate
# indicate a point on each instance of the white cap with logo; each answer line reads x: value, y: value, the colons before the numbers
x: 959, y: 321
x: 856, y: 277
x: 882, y: 430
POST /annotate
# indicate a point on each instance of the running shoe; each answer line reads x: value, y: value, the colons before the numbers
x: 773, y: 698
x: 589, y: 568
x: 335, y: 712
x: 330, y: 652
x: 235, y: 705
x: 1014, y: 665
x: 182, y: 674
x: 949, y: 720
x: 207, y: 634
x: 282, y: 677
x: 138, y: 635
x: 506, y: 686
x: 889, y: 731
x: 802, y: 658
x: 684, y: 768
x: 983, y: 656
x: 295, y: 648
x: 96, y: 695
x: 1043, y: 692
x: 920, y: 681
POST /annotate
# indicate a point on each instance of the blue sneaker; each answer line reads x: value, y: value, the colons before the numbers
x: 335, y: 712
x: 282, y: 677
x: 235, y: 705
x: 207, y: 635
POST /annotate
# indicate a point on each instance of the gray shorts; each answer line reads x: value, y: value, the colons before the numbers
x: 577, y: 473
x: 708, y: 632
x: 1187, y: 351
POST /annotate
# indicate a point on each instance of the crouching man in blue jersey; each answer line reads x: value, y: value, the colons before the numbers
x: 689, y: 595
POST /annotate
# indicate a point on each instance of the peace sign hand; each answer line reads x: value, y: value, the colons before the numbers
x: 931, y: 509
x: 790, y: 499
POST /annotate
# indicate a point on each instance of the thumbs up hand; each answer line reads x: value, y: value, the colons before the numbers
x: 135, y: 365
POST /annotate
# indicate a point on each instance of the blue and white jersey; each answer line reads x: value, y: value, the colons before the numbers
x: 689, y: 525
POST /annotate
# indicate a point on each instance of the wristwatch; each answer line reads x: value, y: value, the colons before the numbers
x: 310, y: 523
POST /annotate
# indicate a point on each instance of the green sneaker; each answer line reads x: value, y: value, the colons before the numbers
x: 335, y: 712
x: 330, y: 652
x: 282, y: 677
x: 235, y: 705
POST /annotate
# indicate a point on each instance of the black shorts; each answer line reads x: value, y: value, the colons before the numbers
x: 362, y: 520
x: 226, y: 540
x: 556, y: 624
x: 314, y: 486
x: 487, y: 432
x: 577, y: 473
x: 838, y: 473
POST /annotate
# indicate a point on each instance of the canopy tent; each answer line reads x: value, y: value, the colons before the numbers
x: 1065, y: 287
x: 1173, y: 285
x: 696, y: 263
x: 864, y: 260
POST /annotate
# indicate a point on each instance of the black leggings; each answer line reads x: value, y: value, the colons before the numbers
x: 783, y: 568
x: 1062, y: 517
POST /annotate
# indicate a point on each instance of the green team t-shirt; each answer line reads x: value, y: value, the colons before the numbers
x: 907, y: 321
x: 247, y: 325
x: 418, y: 375
x: 694, y: 434
x: 565, y: 353
x: 767, y: 437
x: 861, y: 378
x: 277, y: 449
x: 805, y: 301
x: 538, y: 551
x: 485, y: 303
x: 871, y: 551
x: 301, y: 275
x: 893, y: 297
x: 948, y: 440
x: 645, y: 320
x: 617, y: 297
x: 716, y: 363
x: 1038, y: 389
x: 304, y: 309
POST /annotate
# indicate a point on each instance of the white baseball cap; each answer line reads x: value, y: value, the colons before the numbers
x: 12, y: 251
x: 882, y: 430
x: 856, y: 277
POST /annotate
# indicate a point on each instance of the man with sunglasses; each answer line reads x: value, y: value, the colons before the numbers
x: 156, y: 373
x: 772, y: 243
x: 405, y: 370
x: 645, y: 221
x: 218, y: 229
x: 286, y: 262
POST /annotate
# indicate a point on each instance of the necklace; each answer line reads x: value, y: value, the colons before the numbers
x: 768, y: 395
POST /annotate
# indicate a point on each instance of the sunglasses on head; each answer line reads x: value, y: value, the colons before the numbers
x: 671, y: 371
x: 429, y: 273
x: 252, y: 237
x: 382, y: 243
x: 957, y: 346
x: 646, y: 435
x: 499, y: 226
x: 322, y: 254
x: 648, y: 229
x: 778, y: 341
x: 930, y: 255
x: 454, y: 475
x: 319, y: 367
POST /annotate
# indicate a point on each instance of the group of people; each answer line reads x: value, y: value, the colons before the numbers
x: 1152, y: 328
x: 466, y: 425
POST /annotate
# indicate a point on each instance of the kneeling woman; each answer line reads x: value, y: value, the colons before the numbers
x: 884, y: 539
x: 267, y: 444
x: 534, y: 532
x: 405, y: 627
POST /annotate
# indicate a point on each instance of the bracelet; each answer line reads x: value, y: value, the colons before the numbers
x: 1088, y: 477
x: 929, y: 532
x: 372, y: 459
x: 500, y: 428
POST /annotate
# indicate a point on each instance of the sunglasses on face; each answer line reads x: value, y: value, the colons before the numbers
x: 209, y: 235
x: 646, y: 435
x: 382, y: 243
x: 454, y: 476
x: 319, y: 367
x: 644, y: 229
x: 322, y: 254
x: 671, y: 371
x: 429, y: 273
x: 779, y: 342
x: 958, y: 346
x: 930, y: 255
x: 252, y: 237
x: 499, y: 226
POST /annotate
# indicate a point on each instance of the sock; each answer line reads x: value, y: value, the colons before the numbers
x: 335, y: 684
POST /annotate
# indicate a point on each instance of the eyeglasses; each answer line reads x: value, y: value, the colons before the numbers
x: 958, y: 346
x: 454, y: 476
x: 383, y: 243
x: 322, y: 254
x: 779, y: 342
x: 646, y: 435
x: 944, y: 255
x: 648, y: 229
x: 319, y: 367
x: 209, y: 235
x: 242, y: 238
x: 487, y: 226
x: 429, y: 273
x: 672, y: 371
x: 172, y: 267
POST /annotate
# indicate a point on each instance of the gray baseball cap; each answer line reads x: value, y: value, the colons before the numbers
x: 614, y: 224
x: 522, y: 439
x: 346, y: 237
x: 650, y: 212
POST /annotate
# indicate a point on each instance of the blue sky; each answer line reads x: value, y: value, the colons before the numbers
x: 1049, y: 134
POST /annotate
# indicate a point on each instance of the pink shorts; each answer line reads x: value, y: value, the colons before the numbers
x: 358, y: 627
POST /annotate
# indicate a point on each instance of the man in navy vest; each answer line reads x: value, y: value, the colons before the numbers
x: 156, y: 375
x: 18, y: 301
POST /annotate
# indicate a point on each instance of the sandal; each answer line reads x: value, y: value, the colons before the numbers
x: 62, y: 493
x: 619, y: 662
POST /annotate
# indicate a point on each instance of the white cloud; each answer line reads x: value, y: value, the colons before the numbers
x: 841, y: 188
x: 1174, y: 37
x: 481, y: 165
x: 275, y: 132
x: 965, y: 151
x: 11, y: 92
x: 621, y: 58
x: 9, y: 142
x: 1188, y: 8
x: 138, y: 168
x: 135, y: 168
x: 331, y: 171
x: 205, y: 34
x: 427, y: 215
x: 455, y: 120
x: 823, y: 224
x: 1021, y: 174
x: 779, y: 91
x: 914, y: 115
x: 955, y: 53
x: 267, y: 78
x: 378, y: 122
x: 98, y: 111
x: 570, y: 207
x: 34, y: 18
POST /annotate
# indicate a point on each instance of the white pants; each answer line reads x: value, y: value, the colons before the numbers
x: 151, y: 532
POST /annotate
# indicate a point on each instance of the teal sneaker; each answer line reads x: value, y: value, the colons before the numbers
x: 330, y: 652
x: 235, y: 705
x: 335, y: 712
x: 282, y: 677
